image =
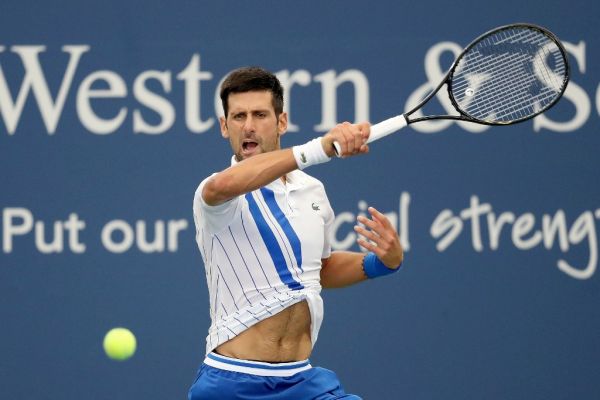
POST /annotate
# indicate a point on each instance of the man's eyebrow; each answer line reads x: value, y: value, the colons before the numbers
x: 257, y: 110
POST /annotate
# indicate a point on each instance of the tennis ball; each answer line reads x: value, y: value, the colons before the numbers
x: 119, y: 344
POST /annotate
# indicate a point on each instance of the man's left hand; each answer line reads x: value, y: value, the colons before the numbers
x: 382, y: 238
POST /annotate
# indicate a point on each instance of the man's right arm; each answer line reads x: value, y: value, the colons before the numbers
x: 262, y: 169
x: 248, y: 175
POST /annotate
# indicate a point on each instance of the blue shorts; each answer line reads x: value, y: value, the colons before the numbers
x: 224, y: 378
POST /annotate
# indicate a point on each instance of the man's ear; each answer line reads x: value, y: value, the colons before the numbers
x: 282, y: 123
x: 224, y: 131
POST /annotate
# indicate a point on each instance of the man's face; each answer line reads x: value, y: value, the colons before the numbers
x: 251, y: 125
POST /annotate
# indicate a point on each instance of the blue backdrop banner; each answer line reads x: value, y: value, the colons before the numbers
x: 109, y: 121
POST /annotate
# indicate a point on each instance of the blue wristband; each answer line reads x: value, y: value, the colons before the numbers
x: 373, y: 267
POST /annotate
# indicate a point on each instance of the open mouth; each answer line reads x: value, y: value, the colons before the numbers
x: 249, y: 146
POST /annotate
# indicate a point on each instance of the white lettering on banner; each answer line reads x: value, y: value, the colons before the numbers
x: 435, y: 74
x: 116, y: 89
x: 526, y: 231
x: 10, y: 228
x: 399, y: 221
x: 154, y: 102
x: 574, y: 93
x: 140, y: 236
x: 121, y: 245
x: 448, y: 226
x: 192, y: 75
x: 18, y: 221
x: 330, y: 82
x: 301, y: 77
x: 35, y: 82
x: 117, y: 236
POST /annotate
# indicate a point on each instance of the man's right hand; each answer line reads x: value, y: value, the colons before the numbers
x: 352, y: 139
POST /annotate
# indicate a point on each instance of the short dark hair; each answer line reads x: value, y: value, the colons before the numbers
x: 249, y: 79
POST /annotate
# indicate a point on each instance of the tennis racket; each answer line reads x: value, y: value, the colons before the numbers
x: 505, y: 76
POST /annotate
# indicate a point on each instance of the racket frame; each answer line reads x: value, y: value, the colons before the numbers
x: 447, y: 80
x: 398, y: 122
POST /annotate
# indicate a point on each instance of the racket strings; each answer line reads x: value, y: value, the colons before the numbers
x: 497, y: 71
x: 505, y: 76
x: 518, y: 101
x: 503, y: 66
x: 490, y: 99
x: 516, y: 91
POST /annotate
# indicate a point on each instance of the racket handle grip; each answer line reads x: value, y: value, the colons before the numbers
x: 387, y: 127
x: 380, y: 130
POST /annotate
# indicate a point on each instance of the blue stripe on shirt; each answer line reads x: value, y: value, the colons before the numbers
x: 269, y: 197
x: 272, y: 246
x: 254, y: 252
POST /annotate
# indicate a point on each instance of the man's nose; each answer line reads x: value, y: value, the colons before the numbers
x: 249, y: 124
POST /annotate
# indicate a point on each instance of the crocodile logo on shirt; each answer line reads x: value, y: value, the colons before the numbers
x: 303, y: 158
x: 315, y: 207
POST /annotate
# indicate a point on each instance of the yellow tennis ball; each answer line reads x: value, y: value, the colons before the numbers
x: 119, y: 344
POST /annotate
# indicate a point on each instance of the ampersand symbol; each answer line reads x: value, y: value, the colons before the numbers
x: 435, y: 74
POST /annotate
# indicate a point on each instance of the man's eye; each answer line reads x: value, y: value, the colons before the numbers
x: 238, y: 117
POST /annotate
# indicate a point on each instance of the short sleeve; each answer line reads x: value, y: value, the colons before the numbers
x: 213, y: 218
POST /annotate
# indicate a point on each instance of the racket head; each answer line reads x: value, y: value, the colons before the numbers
x: 508, y: 75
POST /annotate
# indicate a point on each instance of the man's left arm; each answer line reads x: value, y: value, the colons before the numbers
x: 385, y: 254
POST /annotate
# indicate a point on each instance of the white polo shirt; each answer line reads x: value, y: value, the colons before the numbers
x: 262, y: 253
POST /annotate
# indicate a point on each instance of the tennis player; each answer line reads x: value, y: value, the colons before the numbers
x: 263, y: 228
